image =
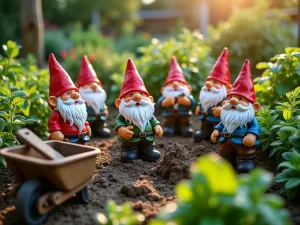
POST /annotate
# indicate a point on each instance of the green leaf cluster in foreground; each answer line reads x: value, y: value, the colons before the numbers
x: 216, y: 196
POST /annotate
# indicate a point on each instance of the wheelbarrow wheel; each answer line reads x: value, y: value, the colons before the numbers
x: 82, y: 197
x: 26, y: 202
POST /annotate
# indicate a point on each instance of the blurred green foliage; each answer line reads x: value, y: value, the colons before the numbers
x: 24, y: 75
x: 290, y: 175
x: 280, y: 76
x: 56, y: 41
x: 106, y: 61
x: 191, y: 52
x: 279, y: 125
x: 118, y: 215
x: 251, y: 34
x: 215, y: 196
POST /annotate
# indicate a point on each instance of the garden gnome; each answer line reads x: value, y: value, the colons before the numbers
x: 67, y: 122
x: 238, y: 132
x: 212, y: 94
x: 176, y: 102
x: 136, y: 124
x: 90, y: 89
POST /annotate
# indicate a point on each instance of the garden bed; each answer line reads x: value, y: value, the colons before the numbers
x: 136, y: 182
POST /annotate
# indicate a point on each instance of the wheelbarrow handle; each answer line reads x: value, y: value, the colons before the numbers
x: 28, y: 137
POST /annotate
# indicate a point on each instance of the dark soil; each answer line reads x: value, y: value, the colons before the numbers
x: 148, y: 185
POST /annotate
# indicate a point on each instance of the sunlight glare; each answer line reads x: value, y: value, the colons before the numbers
x: 147, y: 2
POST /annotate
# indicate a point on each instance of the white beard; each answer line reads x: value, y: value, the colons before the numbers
x: 93, y: 99
x: 74, y: 113
x: 239, y: 117
x: 169, y: 91
x: 211, y: 98
x: 138, y: 115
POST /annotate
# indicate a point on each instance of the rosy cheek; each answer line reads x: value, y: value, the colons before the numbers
x: 128, y: 99
x: 218, y: 86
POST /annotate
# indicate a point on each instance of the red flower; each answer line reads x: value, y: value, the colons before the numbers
x: 63, y: 54
x: 93, y: 57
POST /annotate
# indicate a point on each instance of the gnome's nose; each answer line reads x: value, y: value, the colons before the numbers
x: 208, y: 84
x: 137, y: 97
x: 93, y: 86
x: 175, y: 85
x: 75, y: 95
x: 234, y: 101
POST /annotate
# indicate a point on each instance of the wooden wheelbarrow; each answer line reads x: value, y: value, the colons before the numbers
x: 50, y: 173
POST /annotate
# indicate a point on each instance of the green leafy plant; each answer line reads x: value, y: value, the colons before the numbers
x: 251, y: 34
x: 119, y: 215
x: 191, y: 52
x: 214, y: 195
x: 24, y: 75
x: 290, y: 175
x: 281, y: 75
x: 279, y: 124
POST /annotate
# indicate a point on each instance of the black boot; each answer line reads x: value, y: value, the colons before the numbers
x: 245, y: 164
x: 128, y: 154
x: 103, y: 132
x: 148, y: 153
x: 230, y: 157
x: 186, y: 132
x: 206, y: 128
x: 169, y: 131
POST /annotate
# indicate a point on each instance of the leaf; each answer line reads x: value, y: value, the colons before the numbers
x: 19, y: 122
x: 282, y: 88
x: 18, y: 101
x: 19, y: 93
x: 1, y: 142
x: 5, y: 91
x: 3, y: 124
x: 12, y: 49
x: 288, y: 128
x: 30, y: 121
x: 292, y: 183
x: 262, y: 65
x: 2, y: 162
x: 298, y: 72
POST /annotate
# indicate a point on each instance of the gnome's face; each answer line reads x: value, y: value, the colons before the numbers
x: 137, y: 108
x: 94, y: 95
x: 212, y: 93
x: 176, y: 89
x: 237, y: 111
x: 71, y: 107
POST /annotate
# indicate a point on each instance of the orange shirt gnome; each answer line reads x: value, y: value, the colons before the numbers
x: 136, y: 124
x: 238, y: 132
x: 68, y: 119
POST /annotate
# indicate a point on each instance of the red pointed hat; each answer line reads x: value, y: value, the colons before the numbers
x: 132, y: 81
x: 86, y: 73
x: 220, y: 71
x: 60, y: 81
x: 243, y: 85
x: 175, y: 73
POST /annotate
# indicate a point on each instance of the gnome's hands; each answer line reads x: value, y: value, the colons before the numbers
x: 182, y: 100
x: 158, y: 130
x: 168, y: 102
x: 88, y: 129
x: 125, y: 132
x: 106, y: 112
x: 197, y: 111
x: 216, y: 111
x: 57, y: 135
x: 249, y: 140
x: 214, y: 136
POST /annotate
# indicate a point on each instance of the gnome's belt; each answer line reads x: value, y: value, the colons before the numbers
x: 231, y: 135
x: 80, y: 135
x: 143, y: 135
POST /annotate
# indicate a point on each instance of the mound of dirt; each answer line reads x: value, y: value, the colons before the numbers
x: 142, y: 188
x: 174, y: 164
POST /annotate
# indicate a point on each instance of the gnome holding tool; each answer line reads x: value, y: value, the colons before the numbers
x: 90, y: 88
x: 238, y: 132
x: 67, y: 122
x: 136, y: 125
x: 212, y: 94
